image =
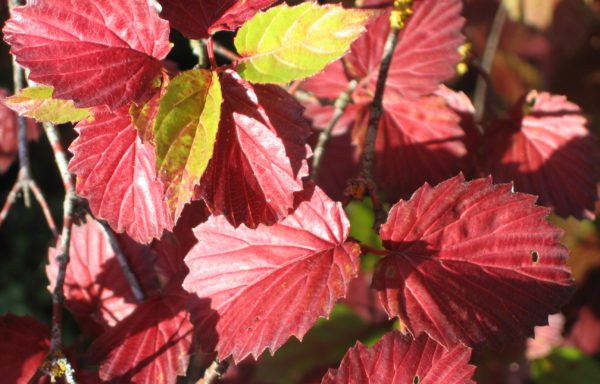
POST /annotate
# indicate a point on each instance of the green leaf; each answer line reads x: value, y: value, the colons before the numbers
x: 37, y: 102
x: 566, y: 365
x: 287, y: 43
x: 185, y: 131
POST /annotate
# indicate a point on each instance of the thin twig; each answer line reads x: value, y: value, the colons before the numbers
x: 491, y: 46
x: 56, y: 364
x: 340, y: 104
x: 215, y: 371
x: 223, y: 51
x: 364, y: 181
x: 136, y: 288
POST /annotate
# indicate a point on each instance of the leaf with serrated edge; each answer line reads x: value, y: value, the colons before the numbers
x: 548, y: 151
x: 399, y: 359
x: 95, y: 288
x: 471, y: 262
x: 94, y: 52
x: 197, y: 19
x: 260, y: 155
x: 258, y: 287
x: 37, y: 102
x: 116, y: 173
x: 287, y: 43
x: 151, y: 346
x: 185, y: 131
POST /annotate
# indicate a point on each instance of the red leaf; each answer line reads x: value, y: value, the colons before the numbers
x: 398, y: 359
x: 471, y: 262
x: 260, y: 155
x: 198, y: 19
x: 418, y: 141
x: 9, y: 134
x: 547, y: 151
x: 328, y: 83
x: 93, y: 52
x: 426, y: 53
x: 151, y: 346
x: 117, y: 174
x: 95, y: 286
x: 267, y: 284
x: 24, y: 343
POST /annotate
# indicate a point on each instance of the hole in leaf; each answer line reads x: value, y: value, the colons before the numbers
x: 416, y: 379
x: 535, y: 256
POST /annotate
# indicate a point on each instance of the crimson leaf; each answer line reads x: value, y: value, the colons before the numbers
x: 471, y: 262
x: 259, y: 158
x: 24, y: 343
x: 197, y: 19
x: 399, y: 359
x: 95, y: 286
x: 94, y: 52
x: 259, y: 287
x: 116, y: 173
x: 547, y: 150
x: 151, y: 346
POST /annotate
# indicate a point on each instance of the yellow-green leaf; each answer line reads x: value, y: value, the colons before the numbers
x: 287, y: 43
x: 185, y: 131
x: 37, y: 102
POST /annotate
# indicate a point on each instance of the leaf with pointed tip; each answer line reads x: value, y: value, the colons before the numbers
x: 9, y: 132
x: 93, y: 52
x: 185, y: 131
x: 260, y: 154
x: 116, y: 173
x: 257, y: 288
x: 37, y: 102
x: 96, y: 289
x: 287, y: 43
x: 471, y: 262
x: 547, y: 150
x: 426, y: 53
x: 24, y: 343
x: 151, y: 346
x: 399, y: 359
x: 197, y: 19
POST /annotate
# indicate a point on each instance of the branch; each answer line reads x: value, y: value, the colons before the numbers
x: 215, y: 372
x: 340, y: 104
x: 364, y: 182
x: 56, y: 365
x: 481, y: 89
x: 136, y: 288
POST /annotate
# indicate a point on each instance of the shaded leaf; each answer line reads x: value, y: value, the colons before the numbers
x: 471, y: 262
x: 151, y: 346
x: 24, y: 343
x: 185, y: 131
x: 418, y: 141
x: 116, y: 173
x: 96, y: 290
x: 546, y: 150
x: 260, y: 154
x: 37, y: 102
x: 426, y: 53
x: 275, y: 50
x: 257, y: 288
x: 399, y: 359
x: 93, y: 52
x: 566, y: 365
x: 196, y: 19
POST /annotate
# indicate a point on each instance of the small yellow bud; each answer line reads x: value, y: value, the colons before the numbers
x: 401, y: 11
x: 463, y: 50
